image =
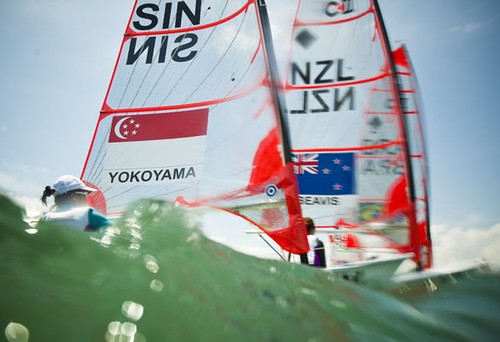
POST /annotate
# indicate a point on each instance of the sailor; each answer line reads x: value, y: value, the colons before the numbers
x: 71, y: 207
x: 316, y: 254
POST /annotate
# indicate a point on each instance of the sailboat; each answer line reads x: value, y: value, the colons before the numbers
x: 195, y: 113
x: 356, y: 139
x: 191, y: 105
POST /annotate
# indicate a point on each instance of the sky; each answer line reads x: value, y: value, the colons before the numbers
x: 58, y: 56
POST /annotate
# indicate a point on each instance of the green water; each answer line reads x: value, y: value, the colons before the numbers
x: 155, y: 277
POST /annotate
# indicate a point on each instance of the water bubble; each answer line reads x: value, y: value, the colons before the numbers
x: 154, y: 207
x: 338, y: 304
x: 16, y: 332
x: 31, y: 231
x: 156, y: 285
x: 123, y: 332
x: 308, y: 291
x: 132, y: 310
x: 150, y: 263
x: 128, y: 329
x: 113, y: 329
x: 281, y: 302
x: 193, y: 237
x: 135, y: 246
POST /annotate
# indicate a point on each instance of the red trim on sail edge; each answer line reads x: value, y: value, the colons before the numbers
x: 130, y: 32
x: 289, y: 86
x: 292, y: 238
x: 340, y: 149
x: 107, y: 110
x: 407, y: 91
x: 414, y: 236
x: 104, y: 106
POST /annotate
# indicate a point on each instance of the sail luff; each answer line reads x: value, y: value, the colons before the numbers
x: 415, y: 113
x: 104, y: 107
x: 414, y: 233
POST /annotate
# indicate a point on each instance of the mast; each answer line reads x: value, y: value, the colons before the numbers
x: 408, y: 162
x: 278, y: 95
x: 274, y: 79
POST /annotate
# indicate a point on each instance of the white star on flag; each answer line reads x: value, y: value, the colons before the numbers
x: 337, y: 186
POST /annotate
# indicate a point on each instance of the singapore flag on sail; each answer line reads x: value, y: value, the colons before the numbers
x: 156, y: 148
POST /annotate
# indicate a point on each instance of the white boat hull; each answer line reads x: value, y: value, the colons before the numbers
x: 370, y: 272
x: 442, y: 273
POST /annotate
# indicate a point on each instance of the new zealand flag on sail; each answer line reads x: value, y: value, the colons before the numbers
x: 325, y: 173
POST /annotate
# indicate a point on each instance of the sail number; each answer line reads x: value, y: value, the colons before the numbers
x: 324, y: 99
x: 179, y: 47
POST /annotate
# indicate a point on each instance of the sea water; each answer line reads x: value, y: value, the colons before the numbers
x: 153, y: 276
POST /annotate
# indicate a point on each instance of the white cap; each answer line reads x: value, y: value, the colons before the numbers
x: 68, y: 183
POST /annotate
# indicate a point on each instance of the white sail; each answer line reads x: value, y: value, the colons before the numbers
x: 348, y: 132
x: 190, y: 102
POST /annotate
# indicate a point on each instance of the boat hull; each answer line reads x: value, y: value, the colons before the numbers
x: 370, y: 272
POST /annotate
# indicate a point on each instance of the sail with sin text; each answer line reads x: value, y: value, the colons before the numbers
x: 349, y: 134
x: 191, y: 103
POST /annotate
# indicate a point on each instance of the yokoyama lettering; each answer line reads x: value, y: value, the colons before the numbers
x: 152, y: 176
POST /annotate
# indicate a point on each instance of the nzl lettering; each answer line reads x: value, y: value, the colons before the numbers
x: 179, y: 47
x: 325, y: 99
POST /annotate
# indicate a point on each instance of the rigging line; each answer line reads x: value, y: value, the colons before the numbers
x: 149, y: 70
x: 243, y: 128
x: 220, y: 59
x: 147, y: 35
x: 131, y: 73
x: 274, y: 78
x: 274, y: 249
x: 415, y: 237
x: 190, y: 64
x: 100, y: 155
x: 290, y: 87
